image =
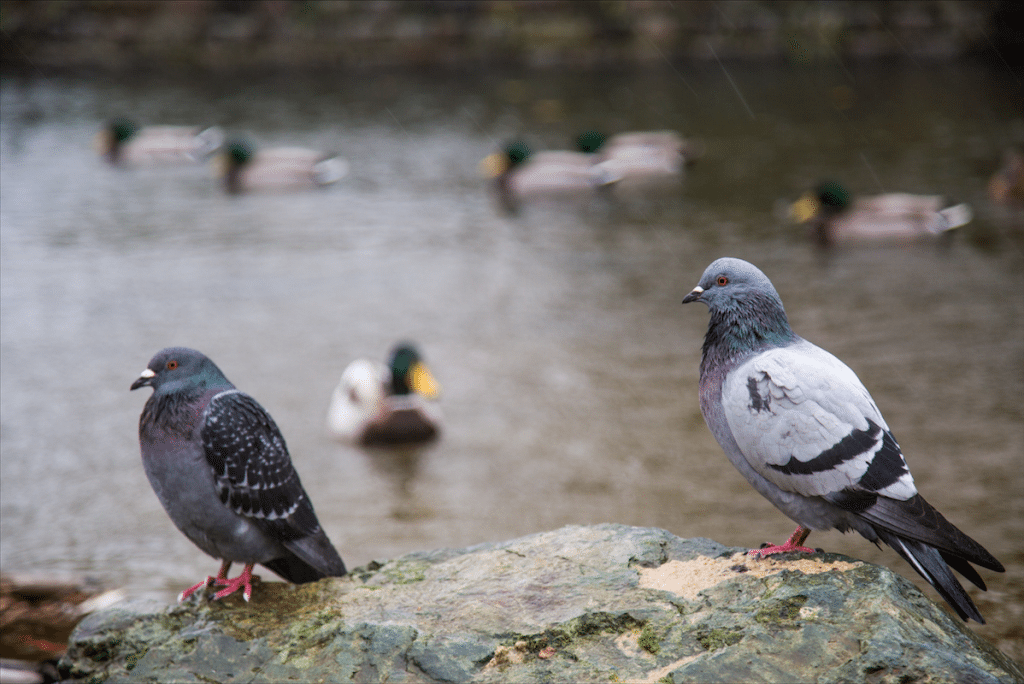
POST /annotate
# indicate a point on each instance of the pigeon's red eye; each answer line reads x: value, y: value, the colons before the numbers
x: 722, y: 281
x: 172, y: 364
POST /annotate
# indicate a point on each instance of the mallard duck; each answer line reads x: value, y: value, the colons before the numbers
x: 393, y: 404
x: 124, y: 142
x: 1007, y: 184
x: 244, y: 168
x: 519, y: 173
x: 646, y: 156
x: 894, y: 217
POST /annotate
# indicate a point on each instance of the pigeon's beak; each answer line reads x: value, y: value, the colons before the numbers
x: 145, y: 378
x: 694, y: 295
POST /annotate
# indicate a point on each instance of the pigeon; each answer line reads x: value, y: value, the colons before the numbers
x: 220, y: 467
x: 803, y: 430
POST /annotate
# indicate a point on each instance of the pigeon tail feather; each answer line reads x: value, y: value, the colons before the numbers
x: 316, y: 552
x: 298, y: 571
x: 918, y: 520
x: 930, y: 564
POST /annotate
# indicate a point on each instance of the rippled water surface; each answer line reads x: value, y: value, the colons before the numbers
x: 568, y: 366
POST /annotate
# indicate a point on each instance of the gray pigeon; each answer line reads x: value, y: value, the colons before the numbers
x: 803, y: 430
x: 220, y: 467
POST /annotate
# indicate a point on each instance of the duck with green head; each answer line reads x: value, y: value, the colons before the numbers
x: 392, y: 404
x: 520, y: 174
x: 836, y: 217
x: 244, y: 168
x: 123, y: 142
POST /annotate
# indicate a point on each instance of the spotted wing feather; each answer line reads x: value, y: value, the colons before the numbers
x: 253, y: 471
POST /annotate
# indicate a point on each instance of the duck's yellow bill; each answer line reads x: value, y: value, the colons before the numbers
x: 102, y: 142
x: 219, y: 165
x: 422, y: 382
x: 804, y: 209
x: 493, y: 165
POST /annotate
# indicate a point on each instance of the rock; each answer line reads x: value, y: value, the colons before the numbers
x: 597, y: 603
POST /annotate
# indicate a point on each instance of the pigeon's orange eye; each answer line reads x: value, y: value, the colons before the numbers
x: 722, y: 281
x: 172, y: 364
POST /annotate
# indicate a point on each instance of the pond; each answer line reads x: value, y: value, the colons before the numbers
x: 568, y: 366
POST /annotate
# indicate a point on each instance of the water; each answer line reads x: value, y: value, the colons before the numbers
x: 568, y: 366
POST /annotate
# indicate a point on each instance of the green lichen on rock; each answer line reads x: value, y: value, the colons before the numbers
x: 781, y: 613
x: 648, y: 639
x: 404, y: 572
x: 719, y: 637
x: 565, y: 605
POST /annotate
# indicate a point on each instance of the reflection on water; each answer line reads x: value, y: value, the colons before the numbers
x: 569, y: 366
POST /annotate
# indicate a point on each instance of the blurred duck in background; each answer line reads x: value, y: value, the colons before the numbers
x: 635, y: 161
x: 393, y: 404
x: 1006, y: 186
x: 520, y: 174
x: 122, y: 141
x: 643, y: 158
x: 834, y: 217
x: 243, y: 168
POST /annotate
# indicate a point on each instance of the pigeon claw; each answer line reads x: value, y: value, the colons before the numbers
x: 792, y: 544
x: 196, y: 587
x: 243, y: 582
x: 773, y: 549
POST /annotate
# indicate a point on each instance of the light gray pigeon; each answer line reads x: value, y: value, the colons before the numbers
x: 803, y: 430
x: 220, y: 467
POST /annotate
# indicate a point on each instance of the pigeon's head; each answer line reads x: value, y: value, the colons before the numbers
x: 178, y: 368
x: 734, y: 284
x: 410, y: 374
x: 746, y: 311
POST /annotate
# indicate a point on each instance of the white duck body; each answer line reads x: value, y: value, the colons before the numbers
x: 643, y: 160
x: 161, y: 145
x: 554, y: 172
x: 280, y: 168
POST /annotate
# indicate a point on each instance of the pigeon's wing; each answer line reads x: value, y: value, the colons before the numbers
x: 255, y: 478
x: 253, y: 470
x: 804, y: 421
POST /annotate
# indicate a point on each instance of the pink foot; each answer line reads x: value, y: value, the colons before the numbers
x: 196, y: 587
x: 792, y: 544
x: 243, y: 582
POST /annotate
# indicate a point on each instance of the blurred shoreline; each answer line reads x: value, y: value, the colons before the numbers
x: 228, y: 35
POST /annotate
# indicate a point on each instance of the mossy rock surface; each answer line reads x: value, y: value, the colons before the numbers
x: 596, y: 603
